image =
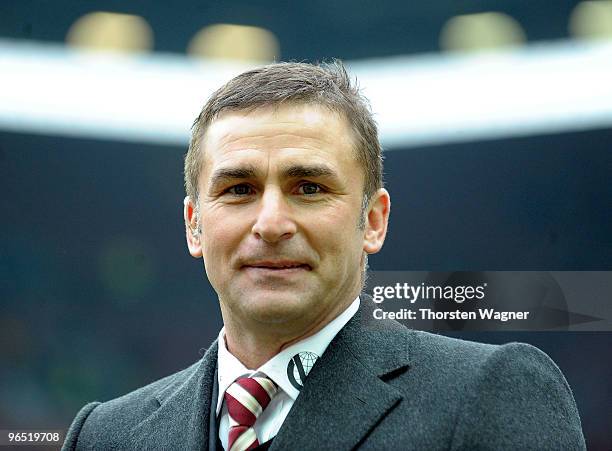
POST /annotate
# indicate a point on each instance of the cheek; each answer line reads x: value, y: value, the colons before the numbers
x: 337, y: 235
x: 221, y: 237
x: 221, y: 241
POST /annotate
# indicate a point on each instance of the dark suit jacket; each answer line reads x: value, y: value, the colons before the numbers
x: 378, y: 386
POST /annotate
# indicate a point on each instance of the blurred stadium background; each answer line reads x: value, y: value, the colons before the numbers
x: 496, y: 119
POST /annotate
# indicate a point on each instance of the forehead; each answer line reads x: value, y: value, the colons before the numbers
x: 285, y: 131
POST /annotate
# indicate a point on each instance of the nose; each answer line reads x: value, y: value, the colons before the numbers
x: 274, y: 218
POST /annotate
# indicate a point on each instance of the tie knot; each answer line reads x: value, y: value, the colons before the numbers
x: 247, y: 397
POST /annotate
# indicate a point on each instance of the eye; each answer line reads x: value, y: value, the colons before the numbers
x: 240, y: 190
x: 310, y: 188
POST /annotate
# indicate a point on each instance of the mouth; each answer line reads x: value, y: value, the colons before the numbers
x: 277, y: 266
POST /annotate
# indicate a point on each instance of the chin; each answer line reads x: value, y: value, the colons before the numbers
x: 274, y: 307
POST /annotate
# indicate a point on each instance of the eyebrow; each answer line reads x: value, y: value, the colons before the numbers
x: 297, y: 171
x: 225, y: 175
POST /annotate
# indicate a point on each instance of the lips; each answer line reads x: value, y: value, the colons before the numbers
x: 277, y: 265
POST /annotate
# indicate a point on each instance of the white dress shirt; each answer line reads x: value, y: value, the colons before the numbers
x: 272, y: 418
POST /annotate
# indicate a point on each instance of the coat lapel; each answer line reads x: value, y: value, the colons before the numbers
x: 345, y: 395
x: 182, y: 419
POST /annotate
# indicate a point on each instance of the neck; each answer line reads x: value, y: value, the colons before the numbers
x: 255, y: 343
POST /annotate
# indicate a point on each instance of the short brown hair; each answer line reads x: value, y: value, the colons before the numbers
x: 326, y: 84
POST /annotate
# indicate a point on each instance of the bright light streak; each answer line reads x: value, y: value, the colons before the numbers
x: 543, y: 89
x: 417, y: 100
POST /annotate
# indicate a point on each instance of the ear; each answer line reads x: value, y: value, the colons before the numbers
x: 191, y: 228
x: 377, y: 219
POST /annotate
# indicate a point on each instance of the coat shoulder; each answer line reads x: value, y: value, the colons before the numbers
x: 496, y: 396
x: 97, y: 425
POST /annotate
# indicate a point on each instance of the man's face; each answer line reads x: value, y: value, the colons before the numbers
x: 279, y: 206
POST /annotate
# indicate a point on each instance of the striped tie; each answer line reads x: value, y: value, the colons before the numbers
x: 246, y: 399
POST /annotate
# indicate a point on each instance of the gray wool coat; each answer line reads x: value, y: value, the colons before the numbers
x: 379, y: 386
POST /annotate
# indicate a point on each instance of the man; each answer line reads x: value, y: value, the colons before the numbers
x: 284, y: 203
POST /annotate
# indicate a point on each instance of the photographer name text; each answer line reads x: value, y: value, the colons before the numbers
x: 429, y: 314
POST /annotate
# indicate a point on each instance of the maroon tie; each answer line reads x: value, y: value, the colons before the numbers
x: 246, y: 399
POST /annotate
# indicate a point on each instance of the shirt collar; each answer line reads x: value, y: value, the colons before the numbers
x: 230, y: 368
